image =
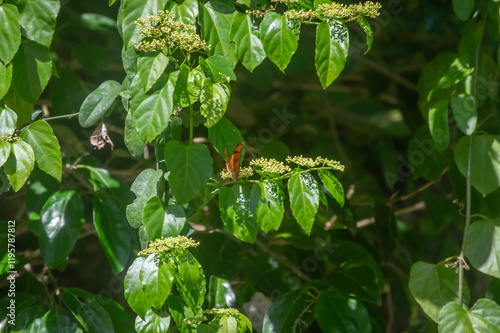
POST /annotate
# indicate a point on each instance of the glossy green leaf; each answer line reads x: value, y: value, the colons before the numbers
x: 483, y: 246
x: 434, y: 286
x: 4, y: 151
x: 10, y: 32
x: 333, y: 186
x: 38, y: 19
x: 215, y: 21
x: 5, y: 79
x: 122, y: 322
x: 249, y: 48
x: 267, y: 200
x: 365, y: 25
x: 332, y: 47
x: 279, y: 41
x: 59, y: 320
x: 87, y: 310
x: 438, y: 124
x: 214, y: 100
x: 236, y: 212
x: 465, y: 112
x: 217, y: 68
x: 131, y: 11
x: 61, y: 221
x: 145, y: 186
x: 40, y: 137
x: 281, y: 317
x: 32, y: 70
x: 304, y: 199
x: 485, y: 161
x: 8, y: 121
x: 228, y: 324
x: 132, y: 139
x: 150, y: 67
x: 19, y: 165
x: 190, y: 168
x: 338, y: 313
x: 463, y: 8
x: 98, y: 102
x: 156, y: 279
x: 187, y: 10
x: 102, y: 179
x: 190, y: 281
x: 455, y: 73
x: 188, y: 87
x: 163, y: 222
x: 151, y: 111
x: 224, y: 134
x: 220, y: 293
x: 493, y: 291
x: 484, y: 316
x: 357, y: 273
x: 112, y: 229
x: 179, y: 310
x: 135, y: 296
x: 154, y: 322
x: 28, y: 319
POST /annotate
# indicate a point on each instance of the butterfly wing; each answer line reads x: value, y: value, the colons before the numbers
x: 235, y: 161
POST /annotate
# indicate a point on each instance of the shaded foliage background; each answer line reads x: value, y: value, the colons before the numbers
x: 365, y: 119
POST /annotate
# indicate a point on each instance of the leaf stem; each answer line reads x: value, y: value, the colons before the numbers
x: 61, y: 117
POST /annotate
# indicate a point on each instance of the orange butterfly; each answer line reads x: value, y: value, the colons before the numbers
x: 233, y: 164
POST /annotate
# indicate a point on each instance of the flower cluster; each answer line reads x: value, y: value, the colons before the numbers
x: 285, y: 1
x: 10, y: 138
x: 194, y: 320
x: 260, y: 11
x: 271, y: 165
x: 319, y: 161
x: 162, y: 31
x: 301, y: 15
x: 341, y: 11
x: 222, y: 312
x: 162, y: 245
x: 245, y: 172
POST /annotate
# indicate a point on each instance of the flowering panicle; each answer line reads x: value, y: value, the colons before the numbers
x: 341, y: 11
x: 163, y: 31
x: 10, y: 138
x: 162, y: 245
x: 318, y: 162
x: 301, y: 15
x: 222, y: 312
x: 271, y: 165
x: 259, y: 11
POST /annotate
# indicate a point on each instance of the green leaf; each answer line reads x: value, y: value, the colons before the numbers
x: 455, y: 73
x: 5, y: 78
x: 304, y: 199
x: 463, y: 8
x: 188, y: 87
x: 434, y: 286
x: 485, y: 161
x: 338, y: 313
x: 61, y: 221
x: 220, y: 293
x: 59, y: 320
x: 483, y: 246
x: 281, y: 316
x: 8, y: 121
x: 4, y: 151
x: 145, y: 186
x: 135, y: 296
x: 132, y: 139
x: 187, y: 11
x: 38, y: 19
x: 215, y: 21
x: 156, y: 279
x: 29, y: 319
x: 150, y: 67
x: 332, y: 47
x: 98, y: 102
x: 113, y: 231
x: 249, y: 48
x: 357, y: 273
x: 365, y: 25
x: 465, y: 112
x: 190, y: 281
x: 122, y: 322
x: 224, y: 134
x: 161, y: 222
x: 267, y: 200
x: 151, y: 111
x: 19, y: 164
x: 131, y: 11
x: 217, y: 68
x: 228, y: 324
x: 333, y: 185
x: 438, y: 124
x: 89, y: 313
x: 190, y: 168
x: 10, y: 32
x: 180, y: 310
x: 32, y: 70
x: 236, y: 212
x: 41, y: 138
x: 214, y: 100
x: 101, y: 179
x: 154, y: 321
x: 484, y: 316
